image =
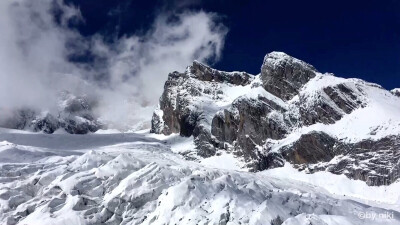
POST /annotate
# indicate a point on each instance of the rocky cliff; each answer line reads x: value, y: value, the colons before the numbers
x: 289, y: 112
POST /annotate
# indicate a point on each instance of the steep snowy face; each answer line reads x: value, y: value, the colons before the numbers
x: 290, y: 112
x: 74, y: 115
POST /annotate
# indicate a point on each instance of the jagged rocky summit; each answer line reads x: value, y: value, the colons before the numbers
x: 290, y: 112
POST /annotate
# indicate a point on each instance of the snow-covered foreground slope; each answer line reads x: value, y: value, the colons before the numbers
x: 126, y: 178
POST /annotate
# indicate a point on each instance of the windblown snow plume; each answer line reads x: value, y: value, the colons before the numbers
x: 38, y: 44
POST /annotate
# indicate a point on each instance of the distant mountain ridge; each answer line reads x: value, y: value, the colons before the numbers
x: 289, y: 112
x: 74, y: 115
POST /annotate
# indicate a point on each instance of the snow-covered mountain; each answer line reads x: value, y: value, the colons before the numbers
x: 289, y: 112
x: 289, y: 146
x: 73, y: 114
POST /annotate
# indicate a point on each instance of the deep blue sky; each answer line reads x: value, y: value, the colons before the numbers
x: 349, y: 38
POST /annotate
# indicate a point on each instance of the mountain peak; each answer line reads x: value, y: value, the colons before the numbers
x: 290, y: 112
x: 277, y: 55
x: 284, y: 75
x: 204, y: 72
x: 396, y: 91
x: 276, y: 58
x: 198, y: 63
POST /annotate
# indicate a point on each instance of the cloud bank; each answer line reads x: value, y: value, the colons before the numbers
x: 126, y: 77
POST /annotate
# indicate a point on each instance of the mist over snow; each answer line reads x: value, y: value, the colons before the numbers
x: 125, y: 76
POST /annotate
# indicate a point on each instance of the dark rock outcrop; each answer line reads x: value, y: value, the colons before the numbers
x: 250, y: 122
x: 206, y: 73
x: 180, y: 112
x: 247, y: 122
x: 396, y: 92
x: 74, y: 115
x: 377, y: 162
x: 170, y: 104
x: 283, y: 75
x: 331, y: 104
x: 47, y: 123
x: 311, y: 148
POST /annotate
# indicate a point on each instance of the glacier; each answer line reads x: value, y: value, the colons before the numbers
x: 140, y: 178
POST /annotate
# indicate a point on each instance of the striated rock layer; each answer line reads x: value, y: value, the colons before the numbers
x: 289, y: 112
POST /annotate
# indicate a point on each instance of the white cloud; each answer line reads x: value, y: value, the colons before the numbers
x: 34, y: 63
x: 32, y: 53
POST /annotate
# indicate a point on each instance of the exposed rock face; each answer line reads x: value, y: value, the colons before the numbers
x: 247, y: 117
x: 396, y: 92
x: 331, y: 104
x: 249, y: 122
x: 157, y: 122
x: 74, y: 116
x: 376, y: 162
x: 170, y: 105
x: 310, y: 148
x: 46, y: 123
x: 205, y: 73
x: 187, y: 102
x: 290, y: 112
x: 283, y: 75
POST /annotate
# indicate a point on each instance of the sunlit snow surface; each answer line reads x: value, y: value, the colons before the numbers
x: 138, y: 178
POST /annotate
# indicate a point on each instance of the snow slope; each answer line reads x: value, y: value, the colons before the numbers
x: 379, y: 118
x: 138, y: 178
